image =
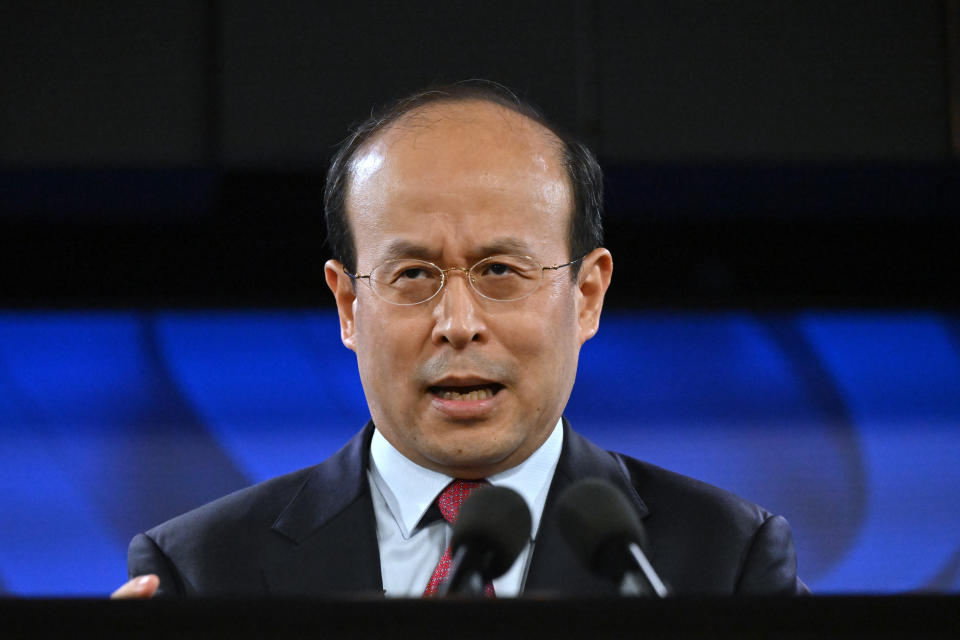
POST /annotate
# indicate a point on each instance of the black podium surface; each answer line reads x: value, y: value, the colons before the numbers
x: 805, y: 617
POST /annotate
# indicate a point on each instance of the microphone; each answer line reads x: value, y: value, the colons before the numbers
x: 605, y: 533
x: 493, y: 526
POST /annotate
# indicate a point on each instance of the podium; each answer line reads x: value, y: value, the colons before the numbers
x: 769, y: 618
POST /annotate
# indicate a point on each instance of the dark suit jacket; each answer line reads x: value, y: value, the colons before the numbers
x: 313, y: 533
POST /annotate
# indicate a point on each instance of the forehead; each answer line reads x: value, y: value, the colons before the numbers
x: 469, y: 168
x: 473, y: 122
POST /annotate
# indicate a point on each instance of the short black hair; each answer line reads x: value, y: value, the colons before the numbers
x: 586, y: 177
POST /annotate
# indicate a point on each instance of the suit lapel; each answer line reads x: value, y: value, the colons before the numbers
x: 327, y: 542
x: 554, y: 570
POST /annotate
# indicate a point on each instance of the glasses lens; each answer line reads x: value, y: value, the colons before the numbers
x: 406, y: 281
x: 506, y: 277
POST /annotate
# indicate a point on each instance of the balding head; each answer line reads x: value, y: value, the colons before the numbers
x: 475, y: 149
x: 584, y: 178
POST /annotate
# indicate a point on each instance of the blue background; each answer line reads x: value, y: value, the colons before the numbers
x: 844, y: 422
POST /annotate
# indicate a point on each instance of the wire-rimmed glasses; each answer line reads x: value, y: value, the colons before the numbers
x: 407, y: 281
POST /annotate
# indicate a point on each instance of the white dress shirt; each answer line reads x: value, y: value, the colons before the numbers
x: 402, y: 492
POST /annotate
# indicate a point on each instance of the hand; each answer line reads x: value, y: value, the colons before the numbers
x: 139, y: 588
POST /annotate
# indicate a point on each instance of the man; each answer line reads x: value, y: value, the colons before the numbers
x: 469, y: 272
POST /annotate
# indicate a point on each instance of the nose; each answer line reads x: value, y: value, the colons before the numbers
x: 457, y: 320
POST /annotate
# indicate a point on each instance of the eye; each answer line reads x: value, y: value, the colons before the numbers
x: 497, y: 269
x: 403, y: 272
x: 412, y: 273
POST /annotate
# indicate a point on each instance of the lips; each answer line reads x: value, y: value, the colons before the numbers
x: 465, y: 389
x: 466, y: 400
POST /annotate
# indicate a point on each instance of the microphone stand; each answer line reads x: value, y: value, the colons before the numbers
x: 465, y: 576
x: 639, y: 583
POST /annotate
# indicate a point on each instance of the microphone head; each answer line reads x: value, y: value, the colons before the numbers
x: 495, y: 519
x: 595, y: 517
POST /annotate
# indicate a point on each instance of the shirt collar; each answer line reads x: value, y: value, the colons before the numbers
x: 409, y: 489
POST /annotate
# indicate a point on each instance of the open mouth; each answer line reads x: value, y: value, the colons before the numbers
x: 467, y: 393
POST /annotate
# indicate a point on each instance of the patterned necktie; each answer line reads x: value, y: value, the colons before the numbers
x: 449, y: 502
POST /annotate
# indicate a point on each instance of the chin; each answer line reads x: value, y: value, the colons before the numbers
x: 466, y: 455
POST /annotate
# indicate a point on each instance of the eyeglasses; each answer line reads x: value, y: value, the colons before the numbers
x: 407, y: 281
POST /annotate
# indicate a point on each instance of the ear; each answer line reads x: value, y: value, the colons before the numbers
x: 345, y: 294
x: 595, y: 273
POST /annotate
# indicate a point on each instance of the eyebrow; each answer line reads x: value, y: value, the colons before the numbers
x: 505, y: 245
x: 406, y: 249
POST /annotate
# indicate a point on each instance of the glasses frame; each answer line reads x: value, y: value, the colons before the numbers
x: 466, y: 272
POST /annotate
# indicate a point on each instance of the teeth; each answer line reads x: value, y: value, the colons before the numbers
x: 476, y: 394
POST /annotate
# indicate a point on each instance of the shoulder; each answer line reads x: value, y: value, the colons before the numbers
x: 289, y: 502
x: 224, y: 547
x: 668, y: 492
x: 216, y: 549
x: 253, y: 509
x: 709, y: 540
x: 702, y: 540
x: 659, y: 493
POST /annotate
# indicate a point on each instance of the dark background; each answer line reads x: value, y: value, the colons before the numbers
x: 761, y: 153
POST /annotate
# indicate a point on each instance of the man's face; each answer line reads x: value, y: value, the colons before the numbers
x: 452, y: 184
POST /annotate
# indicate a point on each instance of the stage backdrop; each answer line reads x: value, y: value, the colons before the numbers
x: 844, y: 422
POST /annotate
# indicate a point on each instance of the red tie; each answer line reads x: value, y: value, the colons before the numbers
x: 449, y: 502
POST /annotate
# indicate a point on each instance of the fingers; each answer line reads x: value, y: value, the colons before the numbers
x: 141, y: 587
